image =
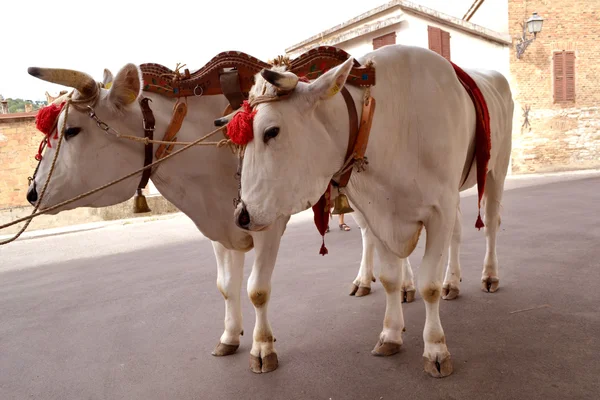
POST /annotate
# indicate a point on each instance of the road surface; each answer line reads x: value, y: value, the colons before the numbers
x: 131, y: 311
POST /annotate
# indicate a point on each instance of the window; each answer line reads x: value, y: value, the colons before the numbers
x: 564, y: 76
x: 384, y: 40
x: 439, y: 41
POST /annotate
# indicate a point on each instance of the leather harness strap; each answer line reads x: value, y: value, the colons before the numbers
x: 230, y: 85
x: 359, y: 135
x: 179, y: 113
x: 353, y: 120
x: 149, y: 122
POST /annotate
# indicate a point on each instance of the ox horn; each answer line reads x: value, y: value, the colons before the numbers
x: 286, y: 81
x: 85, y: 84
x: 227, y: 118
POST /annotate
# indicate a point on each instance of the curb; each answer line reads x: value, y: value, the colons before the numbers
x: 37, y: 234
x: 512, y: 182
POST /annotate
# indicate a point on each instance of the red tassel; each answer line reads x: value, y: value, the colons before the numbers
x: 46, y: 117
x: 321, y: 216
x: 479, y: 224
x: 240, y: 129
x: 323, y: 250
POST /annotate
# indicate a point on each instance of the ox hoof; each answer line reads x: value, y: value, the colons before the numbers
x: 438, y: 368
x: 354, y: 290
x: 223, y: 349
x: 450, y: 291
x: 262, y: 365
x: 490, y: 284
x: 408, y: 296
x: 384, y: 349
x: 363, y: 291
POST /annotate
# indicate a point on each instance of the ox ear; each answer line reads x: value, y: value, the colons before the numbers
x: 285, y: 80
x: 331, y: 82
x: 108, y: 79
x: 126, y: 86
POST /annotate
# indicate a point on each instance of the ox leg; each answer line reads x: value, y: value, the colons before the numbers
x: 439, y: 226
x: 362, y: 284
x: 230, y: 273
x: 407, y: 287
x: 451, y: 287
x: 492, y: 200
x: 390, y: 277
x: 263, y: 357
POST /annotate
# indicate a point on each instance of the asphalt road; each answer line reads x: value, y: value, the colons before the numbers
x: 132, y: 312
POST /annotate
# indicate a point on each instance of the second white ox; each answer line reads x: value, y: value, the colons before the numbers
x: 200, y: 182
x: 420, y: 151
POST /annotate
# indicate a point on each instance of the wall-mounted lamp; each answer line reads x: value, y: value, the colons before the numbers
x: 534, y: 25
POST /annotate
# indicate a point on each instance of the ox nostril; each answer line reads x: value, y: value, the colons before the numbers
x: 32, y: 195
x: 244, y: 218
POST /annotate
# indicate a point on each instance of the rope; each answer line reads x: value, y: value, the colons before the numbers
x: 149, y: 141
x: 35, y: 213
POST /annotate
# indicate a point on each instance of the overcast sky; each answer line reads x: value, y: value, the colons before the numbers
x: 90, y: 35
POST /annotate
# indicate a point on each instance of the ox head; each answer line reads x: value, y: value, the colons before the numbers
x: 89, y: 157
x: 295, y: 151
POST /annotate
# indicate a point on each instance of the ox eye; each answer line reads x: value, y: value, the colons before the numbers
x: 71, y: 132
x: 270, y: 134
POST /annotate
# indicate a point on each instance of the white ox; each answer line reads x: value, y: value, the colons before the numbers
x: 420, y: 151
x: 200, y: 182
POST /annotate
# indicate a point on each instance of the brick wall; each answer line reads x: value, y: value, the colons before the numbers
x: 561, y: 136
x: 19, y: 140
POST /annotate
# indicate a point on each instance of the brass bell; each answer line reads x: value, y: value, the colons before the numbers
x: 341, y: 205
x: 140, y: 205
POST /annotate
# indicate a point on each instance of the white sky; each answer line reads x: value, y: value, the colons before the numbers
x: 90, y: 35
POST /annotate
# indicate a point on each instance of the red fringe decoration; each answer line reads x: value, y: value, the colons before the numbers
x: 239, y: 129
x: 321, y: 218
x: 483, y: 141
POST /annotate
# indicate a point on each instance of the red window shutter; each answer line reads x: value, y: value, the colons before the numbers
x: 384, y: 40
x: 435, y: 39
x: 564, y: 76
x: 559, y: 84
x: 569, y: 76
x: 445, y: 39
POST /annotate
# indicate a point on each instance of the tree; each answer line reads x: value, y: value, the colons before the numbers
x: 18, y: 105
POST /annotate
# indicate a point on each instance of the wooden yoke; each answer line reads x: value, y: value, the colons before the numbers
x: 231, y: 73
x: 219, y: 75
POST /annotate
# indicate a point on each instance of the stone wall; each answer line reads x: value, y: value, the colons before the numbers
x: 19, y: 141
x: 561, y: 136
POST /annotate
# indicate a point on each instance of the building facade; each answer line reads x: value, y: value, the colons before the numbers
x: 556, y: 123
x: 556, y: 88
